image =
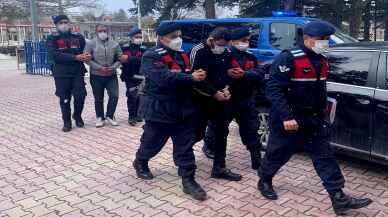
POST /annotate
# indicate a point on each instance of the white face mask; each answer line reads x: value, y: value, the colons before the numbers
x: 176, y: 44
x: 102, y: 35
x: 218, y: 49
x: 321, y: 46
x: 63, y: 28
x: 242, y: 46
x: 137, y: 41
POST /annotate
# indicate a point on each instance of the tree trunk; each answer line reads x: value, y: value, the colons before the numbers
x: 289, y: 5
x: 339, y: 8
x: 210, y: 9
x: 355, y: 21
x: 386, y: 21
x: 60, y: 7
x: 367, y: 19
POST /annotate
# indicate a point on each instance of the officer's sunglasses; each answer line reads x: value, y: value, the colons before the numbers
x: 102, y: 30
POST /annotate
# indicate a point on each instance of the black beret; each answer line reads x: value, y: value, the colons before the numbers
x: 58, y: 18
x: 134, y: 31
x: 319, y: 29
x: 240, y: 33
x: 165, y: 28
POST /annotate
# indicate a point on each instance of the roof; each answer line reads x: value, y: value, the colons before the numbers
x: 363, y: 46
x: 261, y: 19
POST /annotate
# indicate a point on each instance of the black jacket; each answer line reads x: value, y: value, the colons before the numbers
x: 132, y: 66
x: 216, y: 66
x: 167, y: 94
x: 244, y: 88
x: 293, y: 99
x: 62, y: 49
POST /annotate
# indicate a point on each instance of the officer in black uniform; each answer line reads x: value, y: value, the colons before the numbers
x: 168, y: 109
x: 130, y: 73
x: 65, y: 51
x: 213, y: 95
x: 246, y: 78
x: 297, y: 91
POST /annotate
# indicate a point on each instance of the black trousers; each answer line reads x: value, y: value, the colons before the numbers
x: 65, y: 89
x: 210, y: 111
x: 314, y: 139
x: 155, y: 136
x: 132, y: 99
x: 246, y: 116
x: 99, y: 85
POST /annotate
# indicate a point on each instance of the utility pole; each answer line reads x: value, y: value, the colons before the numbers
x: 34, y: 21
x: 138, y: 14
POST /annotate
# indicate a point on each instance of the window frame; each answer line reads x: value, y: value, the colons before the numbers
x: 371, y: 81
x: 285, y: 23
x: 225, y: 24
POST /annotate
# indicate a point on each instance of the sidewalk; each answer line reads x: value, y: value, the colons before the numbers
x: 44, y: 172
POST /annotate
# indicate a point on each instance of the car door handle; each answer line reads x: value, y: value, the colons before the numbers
x: 363, y: 101
x: 385, y: 107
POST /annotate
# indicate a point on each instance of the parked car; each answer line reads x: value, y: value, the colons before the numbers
x: 358, y: 80
x: 271, y: 35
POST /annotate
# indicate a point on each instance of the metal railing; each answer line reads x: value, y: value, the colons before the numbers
x: 36, y: 58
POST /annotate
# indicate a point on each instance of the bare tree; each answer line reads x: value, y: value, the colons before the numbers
x: 53, y: 7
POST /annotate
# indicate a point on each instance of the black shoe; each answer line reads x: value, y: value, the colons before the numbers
x: 208, y: 153
x: 343, y: 203
x: 192, y: 188
x: 255, y: 159
x: 79, y: 122
x: 266, y: 190
x: 66, y: 127
x: 223, y: 173
x: 132, y: 122
x: 142, y: 170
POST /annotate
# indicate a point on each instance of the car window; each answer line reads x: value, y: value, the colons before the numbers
x: 350, y: 67
x: 340, y: 38
x: 283, y: 35
x: 253, y: 27
x: 192, y: 33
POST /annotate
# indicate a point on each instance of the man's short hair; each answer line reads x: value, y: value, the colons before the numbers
x: 220, y: 33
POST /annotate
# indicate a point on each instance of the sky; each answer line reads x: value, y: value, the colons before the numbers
x: 115, y: 5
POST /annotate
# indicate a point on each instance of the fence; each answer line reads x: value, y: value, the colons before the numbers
x: 36, y: 58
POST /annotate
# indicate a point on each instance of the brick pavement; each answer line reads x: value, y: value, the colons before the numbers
x: 44, y: 172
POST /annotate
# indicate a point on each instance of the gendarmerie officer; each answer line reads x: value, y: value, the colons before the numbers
x: 65, y: 51
x: 213, y: 96
x: 297, y: 91
x: 167, y: 107
x: 246, y: 78
x: 130, y: 73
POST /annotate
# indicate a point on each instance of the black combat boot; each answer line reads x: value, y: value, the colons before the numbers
x: 223, y: 173
x: 66, y: 114
x: 266, y: 189
x: 78, y: 121
x: 142, y: 170
x: 255, y: 159
x: 343, y: 203
x: 192, y: 188
x: 66, y: 126
x: 208, y: 152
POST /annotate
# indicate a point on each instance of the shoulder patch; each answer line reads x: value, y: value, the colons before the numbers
x: 296, y: 53
x: 284, y: 68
